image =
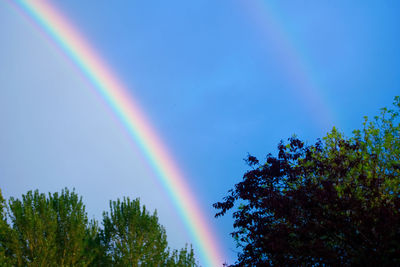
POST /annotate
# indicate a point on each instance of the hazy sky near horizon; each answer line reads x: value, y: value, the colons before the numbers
x: 217, y: 80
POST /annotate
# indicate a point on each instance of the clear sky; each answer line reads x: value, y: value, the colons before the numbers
x: 217, y: 79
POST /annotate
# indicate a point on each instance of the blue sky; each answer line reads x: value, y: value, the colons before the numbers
x: 218, y: 80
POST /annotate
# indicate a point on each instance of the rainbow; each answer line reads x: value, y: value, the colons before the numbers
x: 292, y: 60
x: 106, y: 83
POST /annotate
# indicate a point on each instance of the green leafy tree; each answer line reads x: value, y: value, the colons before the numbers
x: 74, y: 232
x: 335, y: 203
x: 34, y: 235
x: 5, y: 232
x: 54, y: 230
x: 132, y: 236
x: 50, y: 231
x: 183, y: 257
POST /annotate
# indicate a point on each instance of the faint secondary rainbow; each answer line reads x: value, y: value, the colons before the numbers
x: 112, y: 90
x: 292, y: 60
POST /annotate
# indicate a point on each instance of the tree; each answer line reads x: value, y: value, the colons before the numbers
x: 184, y: 257
x: 74, y: 231
x: 333, y: 203
x: 54, y: 230
x: 133, y: 237
x: 34, y: 230
x: 5, y: 231
x: 49, y: 231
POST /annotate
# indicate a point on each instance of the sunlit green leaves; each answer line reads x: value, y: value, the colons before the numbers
x: 54, y: 230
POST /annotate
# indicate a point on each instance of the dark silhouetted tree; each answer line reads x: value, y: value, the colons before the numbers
x: 335, y: 203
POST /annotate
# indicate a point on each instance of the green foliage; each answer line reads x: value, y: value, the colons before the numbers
x: 335, y: 203
x: 184, y: 257
x: 34, y: 234
x: 49, y: 230
x: 54, y: 230
x: 132, y: 236
x: 73, y: 229
x: 5, y: 232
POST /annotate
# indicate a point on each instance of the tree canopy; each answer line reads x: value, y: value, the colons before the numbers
x: 334, y: 203
x: 54, y: 230
x: 48, y: 230
x: 133, y: 237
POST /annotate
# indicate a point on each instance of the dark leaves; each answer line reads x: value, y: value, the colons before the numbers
x: 333, y: 203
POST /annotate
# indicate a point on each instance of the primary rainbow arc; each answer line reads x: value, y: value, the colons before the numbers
x: 114, y: 93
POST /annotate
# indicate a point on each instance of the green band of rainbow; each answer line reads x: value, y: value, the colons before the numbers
x: 106, y: 83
